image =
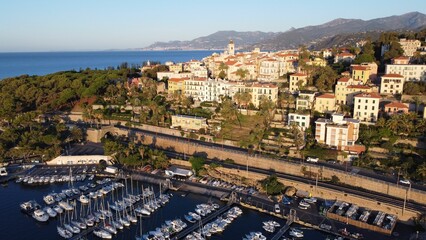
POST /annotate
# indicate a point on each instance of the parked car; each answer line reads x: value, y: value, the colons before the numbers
x: 312, y: 159
x: 277, y: 208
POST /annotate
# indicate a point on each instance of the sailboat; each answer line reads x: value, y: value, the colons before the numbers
x: 139, y: 235
x: 62, y: 231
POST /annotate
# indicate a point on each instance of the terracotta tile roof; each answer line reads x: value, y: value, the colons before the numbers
x: 356, y: 148
x: 401, y: 58
x: 264, y: 85
x: 393, y: 75
x: 368, y: 95
x: 343, y: 79
x: 177, y: 79
x: 359, y: 68
x: 359, y: 86
x: 230, y: 63
x: 345, y: 54
x: 299, y: 75
x: 326, y: 95
x: 396, y: 105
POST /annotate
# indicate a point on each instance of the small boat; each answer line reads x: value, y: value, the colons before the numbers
x: 79, y: 224
x: 88, y: 222
x: 83, y: 199
x: 189, y: 218
x: 29, y: 206
x: 65, y: 206
x: 101, y: 233
x: 58, y: 209
x: 49, y: 199
x: 64, y: 232
x: 72, y: 228
x: 294, y: 232
x: 109, y: 228
x: 142, y: 211
x: 40, y: 215
x: 52, y: 213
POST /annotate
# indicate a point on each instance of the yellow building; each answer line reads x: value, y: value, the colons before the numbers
x: 177, y: 68
x: 325, y: 103
x: 266, y: 90
x: 361, y: 73
x: 317, y: 62
x: 189, y: 122
x: 347, y: 88
x: 176, y: 85
x: 297, y: 80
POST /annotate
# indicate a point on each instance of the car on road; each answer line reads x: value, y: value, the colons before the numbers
x: 277, y: 208
x: 312, y: 159
x: 405, y: 181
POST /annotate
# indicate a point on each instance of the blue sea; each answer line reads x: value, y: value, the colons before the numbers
x: 41, y: 63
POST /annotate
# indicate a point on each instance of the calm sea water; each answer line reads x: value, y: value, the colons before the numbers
x: 15, y: 225
x: 41, y: 63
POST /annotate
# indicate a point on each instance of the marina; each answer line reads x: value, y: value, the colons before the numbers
x: 183, y: 207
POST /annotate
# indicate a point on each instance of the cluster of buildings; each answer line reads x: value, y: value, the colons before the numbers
x: 257, y: 73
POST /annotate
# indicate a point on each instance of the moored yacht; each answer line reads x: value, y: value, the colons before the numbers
x: 64, y: 232
x: 40, y: 215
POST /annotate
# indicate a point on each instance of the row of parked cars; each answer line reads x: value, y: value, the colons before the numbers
x: 220, y: 183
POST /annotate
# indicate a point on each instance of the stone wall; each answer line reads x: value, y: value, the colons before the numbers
x: 214, y: 152
x: 326, y: 193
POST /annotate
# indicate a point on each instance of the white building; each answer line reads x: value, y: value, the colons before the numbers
x: 170, y: 75
x: 305, y: 101
x: 269, y: 70
x: 195, y: 88
x: 392, y: 84
x: 78, y: 160
x: 366, y: 107
x: 337, y: 132
x: 189, y: 122
x: 410, y: 72
x: 409, y: 46
x: 215, y: 89
x: 301, y: 120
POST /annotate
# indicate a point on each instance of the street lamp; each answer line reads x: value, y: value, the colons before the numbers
x: 405, y: 199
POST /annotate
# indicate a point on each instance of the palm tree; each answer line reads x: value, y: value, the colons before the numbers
x: 421, y: 170
x: 393, y: 124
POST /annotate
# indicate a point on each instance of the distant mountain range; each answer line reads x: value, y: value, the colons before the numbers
x: 335, y: 32
x: 217, y: 40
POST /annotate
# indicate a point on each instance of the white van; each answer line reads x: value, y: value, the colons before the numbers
x: 312, y: 159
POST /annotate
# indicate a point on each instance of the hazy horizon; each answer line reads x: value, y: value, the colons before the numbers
x: 53, y: 26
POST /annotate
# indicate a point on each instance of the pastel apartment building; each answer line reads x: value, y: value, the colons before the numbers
x: 366, y: 107
x: 297, y: 80
x: 346, y: 88
x: 364, y: 71
x: 176, y: 85
x: 325, y: 103
x: 392, y: 84
x: 338, y: 132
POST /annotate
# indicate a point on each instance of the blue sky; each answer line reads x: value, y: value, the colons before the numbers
x: 55, y: 25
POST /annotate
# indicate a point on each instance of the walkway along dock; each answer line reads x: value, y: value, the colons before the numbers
x: 207, y: 219
x: 290, y: 220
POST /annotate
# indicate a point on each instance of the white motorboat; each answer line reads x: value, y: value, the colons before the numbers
x: 100, y: 233
x: 79, y: 224
x: 52, y: 213
x: 64, y: 233
x: 40, y: 215
x: 29, y: 206
x: 83, y: 199
x: 65, y: 206
x: 58, y: 209
x: 49, y: 199
x: 142, y: 211
x: 109, y: 228
x: 294, y: 232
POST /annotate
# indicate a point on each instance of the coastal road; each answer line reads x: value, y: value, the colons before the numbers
x: 346, y: 168
x: 383, y: 198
